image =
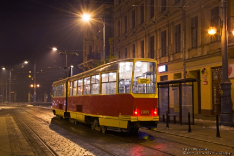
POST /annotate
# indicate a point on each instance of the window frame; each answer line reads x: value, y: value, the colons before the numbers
x: 116, y: 83
x: 85, y: 85
x: 94, y: 83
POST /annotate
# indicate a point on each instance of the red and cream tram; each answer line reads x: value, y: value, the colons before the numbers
x: 119, y: 95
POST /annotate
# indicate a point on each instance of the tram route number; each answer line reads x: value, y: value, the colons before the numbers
x: 145, y: 111
x: 143, y: 80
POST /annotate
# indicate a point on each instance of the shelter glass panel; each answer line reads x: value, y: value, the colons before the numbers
x: 125, y: 76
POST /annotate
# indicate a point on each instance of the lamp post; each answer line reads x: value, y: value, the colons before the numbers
x: 34, y: 86
x: 65, y: 53
x: 226, y: 105
x: 3, y: 68
x: 86, y: 17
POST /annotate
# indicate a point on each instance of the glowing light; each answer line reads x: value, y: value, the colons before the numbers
x: 29, y: 76
x: 72, y: 66
x: 86, y: 17
x: 54, y: 49
x: 3, y: 68
x: 212, y: 30
x: 31, y: 85
x: 233, y: 32
x: 38, y: 85
x: 138, y: 64
x: 26, y: 62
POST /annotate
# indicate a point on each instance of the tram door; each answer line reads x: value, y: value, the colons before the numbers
x: 216, y: 89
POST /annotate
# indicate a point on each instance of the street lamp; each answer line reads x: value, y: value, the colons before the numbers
x: 87, y: 17
x: 65, y: 53
x: 226, y: 105
x: 3, y: 68
x: 34, y: 86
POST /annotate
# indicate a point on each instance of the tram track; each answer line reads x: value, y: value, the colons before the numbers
x: 132, y: 142
x: 39, y: 138
x: 103, y: 149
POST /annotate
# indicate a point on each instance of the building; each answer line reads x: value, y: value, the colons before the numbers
x: 154, y: 29
x: 98, y: 37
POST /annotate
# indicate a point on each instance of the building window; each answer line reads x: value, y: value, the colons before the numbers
x: 80, y: 86
x: 163, y: 43
x: 85, y: 51
x: 90, y: 49
x: 126, y: 24
x: 133, y: 19
x: 194, y: 27
x: 177, y: 38
x: 177, y: 1
x: 163, y: 78
x: 151, y: 47
x: 133, y: 51
x: 164, y: 5
x: 126, y: 52
x: 142, y: 49
x: 142, y: 14
x: 215, y: 23
x: 118, y: 28
x: 151, y: 8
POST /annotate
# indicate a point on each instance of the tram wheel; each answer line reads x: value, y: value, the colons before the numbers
x: 104, y: 129
x: 94, y: 124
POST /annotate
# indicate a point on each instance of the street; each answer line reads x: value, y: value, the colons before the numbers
x: 36, y: 131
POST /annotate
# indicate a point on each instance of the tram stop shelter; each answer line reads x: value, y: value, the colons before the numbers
x: 176, y: 97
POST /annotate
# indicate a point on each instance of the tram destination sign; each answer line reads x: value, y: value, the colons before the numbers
x: 143, y: 80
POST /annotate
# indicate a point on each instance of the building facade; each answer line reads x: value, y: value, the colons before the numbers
x: 154, y: 29
x: 98, y: 37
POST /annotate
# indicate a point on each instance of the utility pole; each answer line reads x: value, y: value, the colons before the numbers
x: 226, y: 104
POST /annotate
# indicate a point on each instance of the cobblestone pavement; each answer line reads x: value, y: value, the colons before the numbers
x: 65, y: 138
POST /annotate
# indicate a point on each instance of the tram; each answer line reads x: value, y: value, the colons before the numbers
x: 118, y: 95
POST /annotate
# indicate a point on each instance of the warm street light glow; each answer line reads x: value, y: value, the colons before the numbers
x: 86, y: 17
x: 54, y: 49
x: 212, y: 30
x: 3, y: 68
x: 29, y: 76
x: 233, y: 32
x: 31, y: 85
x: 38, y: 85
x: 72, y: 66
x: 26, y: 62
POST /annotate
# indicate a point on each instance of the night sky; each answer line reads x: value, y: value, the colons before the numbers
x: 28, y: 31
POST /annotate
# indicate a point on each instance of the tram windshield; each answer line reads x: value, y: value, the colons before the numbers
x: 144, y: 79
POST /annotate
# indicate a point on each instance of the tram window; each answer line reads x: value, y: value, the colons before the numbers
x: 54, y: 91
x: 58, y: 90
x: 125, y: 76
x: 86, y: 86
x: 62, y: 90
x: 95, y: 80
x: 144, y: 79
x: 70, y: 88
x: 79, y: 88
x: 109, y: 83
x: 74, y: 88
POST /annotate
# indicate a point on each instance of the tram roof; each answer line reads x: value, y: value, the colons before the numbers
x: 112, y: 66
